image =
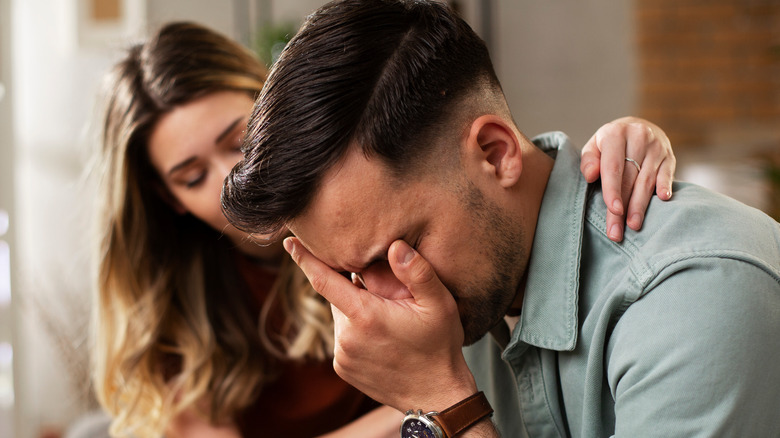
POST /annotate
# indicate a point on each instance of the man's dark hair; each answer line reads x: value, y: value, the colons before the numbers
x: 379, y: 74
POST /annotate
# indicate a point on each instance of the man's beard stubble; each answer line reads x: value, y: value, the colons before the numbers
x: 489, y: 299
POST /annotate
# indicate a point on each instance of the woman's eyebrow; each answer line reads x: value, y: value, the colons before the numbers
x: 180, y: 165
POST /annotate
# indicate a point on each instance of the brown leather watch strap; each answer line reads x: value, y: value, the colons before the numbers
x: 464, y: 414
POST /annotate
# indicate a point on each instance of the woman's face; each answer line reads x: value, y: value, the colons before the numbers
x: 193, y: 148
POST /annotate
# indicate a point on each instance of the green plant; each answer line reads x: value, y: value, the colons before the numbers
x: 271, y: 39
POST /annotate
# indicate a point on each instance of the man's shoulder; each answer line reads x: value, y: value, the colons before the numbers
x: 684, y: 309
x: 698, y: 222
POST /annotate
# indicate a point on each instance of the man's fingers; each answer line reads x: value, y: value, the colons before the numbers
x: 416, y: 273
x: 336, y: 288
x: 338, y: 320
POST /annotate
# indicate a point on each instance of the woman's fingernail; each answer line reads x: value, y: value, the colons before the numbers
x: 404, y: 254
x: 636, y: 220
x: 617, y: 206
x: 588, y: 168
x: 614, y: 232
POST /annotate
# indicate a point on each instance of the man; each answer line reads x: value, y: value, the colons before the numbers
x: 384, y: 142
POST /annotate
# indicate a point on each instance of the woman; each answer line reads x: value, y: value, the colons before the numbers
x: 199, y: 328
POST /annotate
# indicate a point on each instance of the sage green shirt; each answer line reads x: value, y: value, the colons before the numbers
x: 675, y: 332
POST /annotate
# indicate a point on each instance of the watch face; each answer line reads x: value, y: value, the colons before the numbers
x: 415, y: 426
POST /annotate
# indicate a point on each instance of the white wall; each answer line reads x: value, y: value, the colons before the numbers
x: 217, y: 14
x: 566, y: 65
x: 57, y: 74
x: 7, y: 224
x: 54, y: 86
x: 293, y: 10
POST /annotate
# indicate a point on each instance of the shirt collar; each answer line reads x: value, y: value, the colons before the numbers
x: 549, y: 312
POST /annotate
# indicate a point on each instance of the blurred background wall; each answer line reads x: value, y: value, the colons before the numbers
x: 704, y: 70
x: 709, y: 73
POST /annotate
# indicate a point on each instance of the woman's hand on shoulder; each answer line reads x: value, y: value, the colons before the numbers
x: 634, y: 159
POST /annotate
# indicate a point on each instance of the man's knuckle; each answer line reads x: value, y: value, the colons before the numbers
x: 348, y: 347
x: 319, y: 281
x: 423, y: 273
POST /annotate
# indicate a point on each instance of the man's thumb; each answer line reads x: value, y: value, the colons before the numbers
x: 414, y: 271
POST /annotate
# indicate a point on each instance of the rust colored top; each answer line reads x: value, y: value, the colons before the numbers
x: 306, y: 399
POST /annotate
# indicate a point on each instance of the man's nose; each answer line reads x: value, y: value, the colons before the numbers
x: 379, y: 279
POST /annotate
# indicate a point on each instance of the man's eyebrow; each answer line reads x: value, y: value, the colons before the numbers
x: 381, y: 255
x: 227, y: 130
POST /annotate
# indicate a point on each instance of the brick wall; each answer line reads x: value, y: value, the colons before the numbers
x: 708, y: 63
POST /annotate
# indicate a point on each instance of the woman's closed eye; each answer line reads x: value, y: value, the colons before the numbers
x: 191, y: 177
x: 196, y: 180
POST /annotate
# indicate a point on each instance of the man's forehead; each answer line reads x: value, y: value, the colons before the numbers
x: 351, y: 220
x: 350, y: 247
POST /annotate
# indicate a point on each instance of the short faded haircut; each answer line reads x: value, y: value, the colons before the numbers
x: 379, y: 74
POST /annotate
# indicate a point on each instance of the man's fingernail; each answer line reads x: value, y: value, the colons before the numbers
x: 288, y: 245
x: 405, y: 253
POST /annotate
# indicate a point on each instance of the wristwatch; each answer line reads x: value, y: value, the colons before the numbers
x: 447, y: 423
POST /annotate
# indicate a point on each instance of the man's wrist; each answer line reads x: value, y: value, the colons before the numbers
x: 446, y: 392
x: 449, y: 422
x: 446, y: 401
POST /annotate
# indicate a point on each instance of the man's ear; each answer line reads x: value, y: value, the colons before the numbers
x: 495, y: 147
x: 169, y: 199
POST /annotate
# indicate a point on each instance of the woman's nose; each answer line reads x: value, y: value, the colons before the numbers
x: 225, y: 164
x: 379, y: 279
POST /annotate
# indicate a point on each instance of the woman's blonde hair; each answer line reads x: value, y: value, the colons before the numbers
x: 172, y: 327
